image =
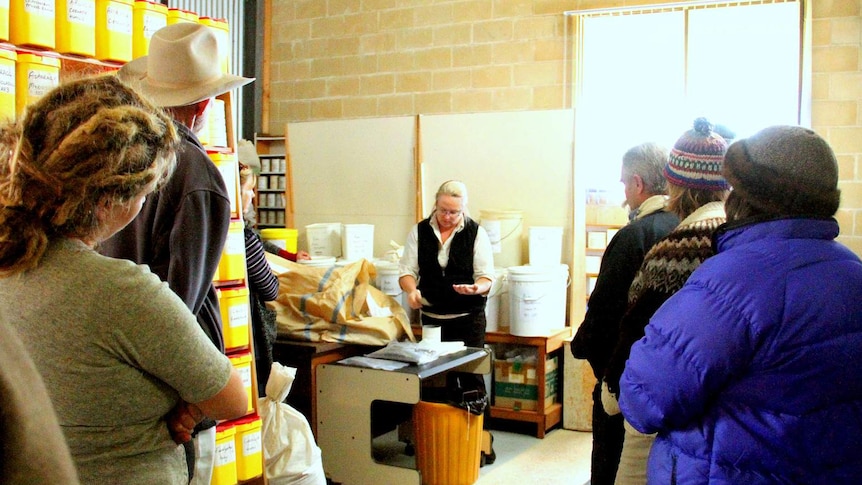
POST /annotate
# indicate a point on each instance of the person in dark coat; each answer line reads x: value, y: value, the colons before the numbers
x: 645, y: 189
x: 182, y: 228
x: 750, y: 372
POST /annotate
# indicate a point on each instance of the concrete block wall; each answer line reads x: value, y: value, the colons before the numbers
x: 343, y: 59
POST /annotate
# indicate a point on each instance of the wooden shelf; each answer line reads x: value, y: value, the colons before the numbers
x: 546, y: 346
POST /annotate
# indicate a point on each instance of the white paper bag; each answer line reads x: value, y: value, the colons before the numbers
x: 291, y: 456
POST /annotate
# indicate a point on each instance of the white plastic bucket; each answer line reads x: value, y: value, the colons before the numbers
x: 504, y: 229
x: 324, y: 239
x: 546, y: 245
x: 387, y: 277
x: 495, y: 305
x: 537, y: 300
x: 357, y: 241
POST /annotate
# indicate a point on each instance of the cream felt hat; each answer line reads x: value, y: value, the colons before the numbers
x: 182, y: 67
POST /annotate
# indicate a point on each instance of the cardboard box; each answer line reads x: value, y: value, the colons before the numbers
x: 516, y: 386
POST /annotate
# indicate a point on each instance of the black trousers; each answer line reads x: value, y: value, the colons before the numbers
x: 608, y: 436
x: 469, y: 329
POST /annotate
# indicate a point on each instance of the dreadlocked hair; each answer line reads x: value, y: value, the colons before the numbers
x: 86, y: 143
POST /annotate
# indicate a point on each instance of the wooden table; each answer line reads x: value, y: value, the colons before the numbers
x: 546, y: 346
x: 305, y: 357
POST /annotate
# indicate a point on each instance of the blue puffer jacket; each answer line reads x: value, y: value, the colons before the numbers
x: 752, y: 372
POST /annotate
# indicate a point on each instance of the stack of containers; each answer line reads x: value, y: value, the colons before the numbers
x: 117, y: 31
x: 239, y: 451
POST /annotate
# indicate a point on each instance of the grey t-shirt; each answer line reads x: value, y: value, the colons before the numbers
x: 117, y: 349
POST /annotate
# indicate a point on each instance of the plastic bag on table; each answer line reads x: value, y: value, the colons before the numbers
x: 291, y: 456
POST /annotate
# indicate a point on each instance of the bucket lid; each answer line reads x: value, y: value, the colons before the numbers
x: 318, y: 261
x: 534, y: 270
x: 500, y: 214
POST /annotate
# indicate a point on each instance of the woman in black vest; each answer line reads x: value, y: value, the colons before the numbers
x: 448, y: 268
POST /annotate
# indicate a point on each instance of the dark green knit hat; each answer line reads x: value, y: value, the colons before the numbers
x: 785, y: 171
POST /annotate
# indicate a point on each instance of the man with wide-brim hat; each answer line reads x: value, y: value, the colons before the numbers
x: 181, y: 230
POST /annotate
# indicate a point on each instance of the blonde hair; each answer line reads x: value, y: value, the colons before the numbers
x: 683, y: 201
x: 452, y: 188
x: 83, y: 144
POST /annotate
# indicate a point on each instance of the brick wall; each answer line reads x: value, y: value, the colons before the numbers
x: 342, y: 59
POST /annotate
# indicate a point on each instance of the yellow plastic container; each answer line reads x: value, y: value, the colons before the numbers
x: 31, y: 22
x: 35, y: 75
x: 147, y: 18
x: 231, y: 266
x: 228, y: 166
x: 176, y: 15
x: 283, y: 238
x: 224, y: 472
x: 76, y: 27
x: 242, y: 363
x: 215, y: 133
x: 235, y: 317
x: 114, y: 30
x: 221, y: 28
x: 8, y: 57
x: 448, y: 443
x: 4, y: 20
x: 249, y: 448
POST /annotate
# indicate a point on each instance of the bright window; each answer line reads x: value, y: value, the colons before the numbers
x: 646, y: 75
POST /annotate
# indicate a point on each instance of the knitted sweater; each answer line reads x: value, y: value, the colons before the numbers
x: 665, y: 269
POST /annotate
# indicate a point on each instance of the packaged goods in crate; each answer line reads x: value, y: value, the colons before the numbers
x: 516, y: 386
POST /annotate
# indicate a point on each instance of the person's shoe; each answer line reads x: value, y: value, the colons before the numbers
x: 489, y: 456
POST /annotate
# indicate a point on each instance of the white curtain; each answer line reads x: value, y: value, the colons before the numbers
x: 645, y: 75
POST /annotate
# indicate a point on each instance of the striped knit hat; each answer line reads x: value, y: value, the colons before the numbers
x: 696, y: 159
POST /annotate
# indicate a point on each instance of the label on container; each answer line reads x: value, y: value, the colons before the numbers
x: 238, y: 315
x: 4, y: 4
x: 245, y: 375
x: 152, y: 23
x: 39, y: 7
x: 82, y: 12
x: 251, y: 444
x: 225, y: 453
x: 235, y: 243
x: 40, y: 82
x: 7, y: 79
x: 120, y: 19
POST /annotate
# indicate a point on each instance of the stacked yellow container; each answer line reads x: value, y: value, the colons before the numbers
x: 114, y: 30
x: 249, y: 448
x: 242, y: 363
x: 235, y: 317
x: 222, y: 31
x: 176, y: 15
x: 4, y: 20
x: 76, y: 27
x: 224, y: 471
x: 228, y: 166
x: 32, y: 23
x: 8, y: 57
x: 35, y: 75
x: 147, y: 18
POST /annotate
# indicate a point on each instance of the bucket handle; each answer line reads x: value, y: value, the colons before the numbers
x: 517, y: 227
